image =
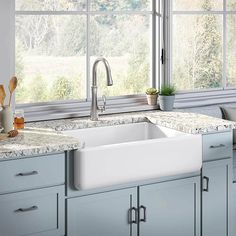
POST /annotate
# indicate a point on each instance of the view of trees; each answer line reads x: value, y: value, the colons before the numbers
x: 51, y: 49
x: 198, y: 46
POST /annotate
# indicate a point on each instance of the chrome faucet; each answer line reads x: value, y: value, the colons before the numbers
x: 94, y: 105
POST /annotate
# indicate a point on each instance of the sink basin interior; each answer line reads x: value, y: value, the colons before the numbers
x: 108, y: 135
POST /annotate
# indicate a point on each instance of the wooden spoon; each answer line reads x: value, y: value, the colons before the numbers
x: 2, y: 95
x: 12, y: 87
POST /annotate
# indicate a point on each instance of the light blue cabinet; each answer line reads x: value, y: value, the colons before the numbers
x: 37, y: 212
x: 166, y: 209
x: 170, y: 208
x: 233, y: 212
x: 103, y: 214
x: 33, y: 200
x: 216, y: 196
x: 32, y: 196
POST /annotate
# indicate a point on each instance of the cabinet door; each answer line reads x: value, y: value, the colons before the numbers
x: 104, y: 214
x: 172, y: 208
x: 233, y: 212
x: 35, y: 212
x: 215, y: 198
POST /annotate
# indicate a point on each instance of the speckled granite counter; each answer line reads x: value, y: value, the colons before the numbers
x: 186, y: 122
x: 35, y: 141
x: 44, y: 137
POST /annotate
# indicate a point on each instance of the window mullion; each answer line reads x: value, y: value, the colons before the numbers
x: 154, y: 44
x: 88, y: 92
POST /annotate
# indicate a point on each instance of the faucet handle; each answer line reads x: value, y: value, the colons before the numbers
x: 103, y: 108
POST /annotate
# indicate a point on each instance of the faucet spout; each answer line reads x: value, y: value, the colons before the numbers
x: 108, y: 71
x: 94, y: 105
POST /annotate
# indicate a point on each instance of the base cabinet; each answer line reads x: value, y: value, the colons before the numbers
x: 35, y: 212
x: 171, y: 208
x: 104, y: 214
x: 233, y: 212
x: 165, y: 209
x: 216, y: 185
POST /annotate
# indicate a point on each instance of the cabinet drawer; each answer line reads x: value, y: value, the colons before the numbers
x: 30, y: 173
x: 217, y: 146
x: 32, y: 212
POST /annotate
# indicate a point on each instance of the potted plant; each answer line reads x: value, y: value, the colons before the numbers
x: 167, y: 98
x: 152, y: 94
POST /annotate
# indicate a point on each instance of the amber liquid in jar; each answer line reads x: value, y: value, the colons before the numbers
x: 19, y: 122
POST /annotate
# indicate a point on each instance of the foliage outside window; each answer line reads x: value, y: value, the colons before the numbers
x: 58, y: 40
x: 203, y: 44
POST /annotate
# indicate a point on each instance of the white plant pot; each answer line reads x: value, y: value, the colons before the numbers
x: 166, y: 102
x: 152, y: 99
x: 7, y: 119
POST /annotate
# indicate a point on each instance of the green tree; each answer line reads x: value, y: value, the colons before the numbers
x: 37, y: 90
x: 207, y: 71
x: 139, y: 67
x: 62, y: 89
x: 19, y: 71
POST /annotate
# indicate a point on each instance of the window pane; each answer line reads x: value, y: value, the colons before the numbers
x: 125, y: 41
x: 50, y: 5
x: 231, y: 50
x: 231, y: 5
x: 197, y: 5
x: 197, y: 51
x: 104, y: 5
x: 50, y: 58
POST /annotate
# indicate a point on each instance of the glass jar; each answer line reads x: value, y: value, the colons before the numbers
x: 19, y: 119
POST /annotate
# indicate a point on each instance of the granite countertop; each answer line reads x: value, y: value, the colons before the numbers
x: 182, y: 121
x: 44, y: 137
x: 35, y: 141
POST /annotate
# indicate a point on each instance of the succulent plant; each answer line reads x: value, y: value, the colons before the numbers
x: 151, y: 91
x: 167, y: 90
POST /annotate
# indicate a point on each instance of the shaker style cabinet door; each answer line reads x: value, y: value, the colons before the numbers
x: 170, y: 208
x: 105, y: 214
x: 215, y: 198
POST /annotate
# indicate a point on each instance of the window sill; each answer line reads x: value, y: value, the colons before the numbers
x: 197, y: 99
x: 72, y: 109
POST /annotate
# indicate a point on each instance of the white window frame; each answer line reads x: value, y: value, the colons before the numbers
x: 7, y: 30
x: 160, y: 75
x: 78, y: 108
x: 207, y: 96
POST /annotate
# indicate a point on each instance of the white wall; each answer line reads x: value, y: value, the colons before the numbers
x: 7, y: 48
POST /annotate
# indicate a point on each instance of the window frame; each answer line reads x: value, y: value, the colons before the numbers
x: 115, y: 104
x: 67, y: 109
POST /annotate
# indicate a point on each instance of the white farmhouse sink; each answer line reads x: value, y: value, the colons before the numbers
x: 131, y: 152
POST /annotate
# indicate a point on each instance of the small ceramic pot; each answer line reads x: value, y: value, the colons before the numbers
x: 152, y: 99
x: 166, y: 102
x: 7, y: 119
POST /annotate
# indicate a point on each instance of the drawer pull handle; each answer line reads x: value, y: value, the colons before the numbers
x: 217, y: 146
x: 130, y: 215
x: 33, y: 208
x: 27, y: 173
x: 206, y: 188
x: 144, y: 219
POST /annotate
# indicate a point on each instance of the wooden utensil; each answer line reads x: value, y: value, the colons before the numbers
x: 2, y: 95
x: 3, y: 137
x: 12, y: 87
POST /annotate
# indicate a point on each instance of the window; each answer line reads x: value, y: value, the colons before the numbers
x: 57, y: 42
x: 203, y: 45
